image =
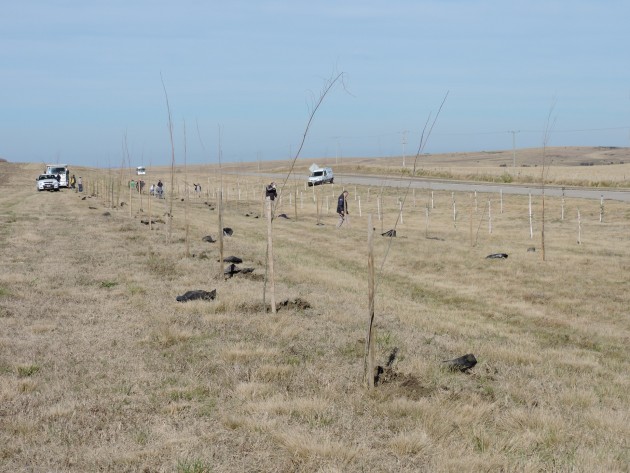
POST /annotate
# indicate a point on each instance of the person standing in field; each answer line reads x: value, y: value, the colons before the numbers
x: 342, y: 208
x: 270, y: 191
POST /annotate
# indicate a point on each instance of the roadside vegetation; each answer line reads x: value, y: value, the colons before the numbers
x: 570, y: 166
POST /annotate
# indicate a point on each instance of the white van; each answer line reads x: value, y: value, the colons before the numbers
x: 320, y: 175
x: 141, y: 170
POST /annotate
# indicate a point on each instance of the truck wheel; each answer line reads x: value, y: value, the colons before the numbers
x: 331, y: 181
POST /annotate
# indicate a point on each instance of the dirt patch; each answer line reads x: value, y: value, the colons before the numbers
x: 395, y: 384
x: 295, y: 304
x: 255, y: 307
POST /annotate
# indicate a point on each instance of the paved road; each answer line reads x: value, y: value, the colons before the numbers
x: 458, y: 186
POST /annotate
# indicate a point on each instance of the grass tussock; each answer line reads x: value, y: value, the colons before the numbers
x: 102, y: 369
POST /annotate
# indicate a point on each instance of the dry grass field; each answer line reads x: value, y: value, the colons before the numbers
x: 101, y: 369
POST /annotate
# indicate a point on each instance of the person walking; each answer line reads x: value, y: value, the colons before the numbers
x: 342, y: 208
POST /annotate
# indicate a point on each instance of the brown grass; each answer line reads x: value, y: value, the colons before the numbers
x: 101, y: 369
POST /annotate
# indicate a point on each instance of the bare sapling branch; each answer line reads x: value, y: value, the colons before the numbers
x: 220, y: 209
x: 327, y: 87
x: 186, y: 196
x: 548, y: 126
x: 171, y: 190
x: 317, y: 102
x: 424, y: 137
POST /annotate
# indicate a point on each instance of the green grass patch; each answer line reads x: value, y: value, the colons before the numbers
x: 193, y: 466
x: 27, y: 370
x: 108, y: 284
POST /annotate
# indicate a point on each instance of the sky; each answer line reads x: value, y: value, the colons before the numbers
x: 90, y: 82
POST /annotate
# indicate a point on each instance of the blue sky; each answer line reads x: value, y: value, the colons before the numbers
x: 78, y: 79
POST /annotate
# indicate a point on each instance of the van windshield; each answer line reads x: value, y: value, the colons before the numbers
x: 318, y: 173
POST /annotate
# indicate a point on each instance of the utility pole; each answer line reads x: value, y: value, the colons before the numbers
x: 404, y: 142
x: 514, y: 132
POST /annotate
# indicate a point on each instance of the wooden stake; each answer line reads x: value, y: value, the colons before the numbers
x: 368, y: 373
x: 531, y: 225
x: 262, y: 200
x: 272, y: 287
x: 471, y: 221
x: 130, y: 202
x: 489, y: 216
x: 220, y: 212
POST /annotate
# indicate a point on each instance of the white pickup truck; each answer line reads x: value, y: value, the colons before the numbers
x: 47, y: 182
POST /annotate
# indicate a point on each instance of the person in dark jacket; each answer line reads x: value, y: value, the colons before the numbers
x: 342, y: 207
x: 270, y: 191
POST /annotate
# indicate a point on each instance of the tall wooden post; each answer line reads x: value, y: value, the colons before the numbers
x: 130, y: 202
x: 272, y: 286
x: 220, y: 209
x: 368, y: 374
x: 489, y: 216
x: 471, y: 221
x: 531, y: 225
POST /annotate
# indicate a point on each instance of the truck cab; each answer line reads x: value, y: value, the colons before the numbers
x: 60, y: 170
